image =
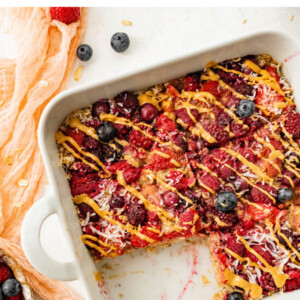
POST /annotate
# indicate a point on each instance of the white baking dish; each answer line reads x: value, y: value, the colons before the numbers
x: 168, y: 273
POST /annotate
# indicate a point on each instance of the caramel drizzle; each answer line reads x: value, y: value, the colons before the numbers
x: 211, y: 75
x: 84, y: 198
x: 162, y: 214
x: 235, y: 280
x: 62, y: 139
x: 255, y: 169
x: 173, y: 189
x: 75, y: 123
x: 247, y: 180
x: 270, y: 226
x: 278, y: 277
x: 124, y: 121
x: 85, y: 239
x: 265, y: 77
x: 239, y: 195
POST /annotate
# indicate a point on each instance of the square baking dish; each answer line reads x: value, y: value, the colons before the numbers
x: 170, y: 272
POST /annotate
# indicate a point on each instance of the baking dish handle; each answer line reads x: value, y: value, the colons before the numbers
x: 33, y: 248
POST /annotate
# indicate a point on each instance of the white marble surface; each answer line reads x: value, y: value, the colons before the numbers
x: 156, y: 34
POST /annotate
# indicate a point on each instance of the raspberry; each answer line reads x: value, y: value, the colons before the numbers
x: 265, y: 212
x: 126, y: 102
x: 91, y: 143
x: 228, y: 218
x: 292, y: 124
x: 248, y: 154
x: 210, y: 181
x: 184, y: 116
x: 66, y: 15
x: 178, y: 180
x: 85, y: 183
x: 224, y: 172
x: 95, y: 123
x: 164, y: 123
x: 121, y: 130
x: 211, y: 87
x: 237, y: 129
x: 180, y: 141
x: 119, y: 166
x: 259, y: 197
x: 84, y: 209
x: 90, y: 231
x: 291, y: 285
x: 266, y: 255
x: 234, y: 245
x: 191, y: 83
x: 140, y: 242
x: 77, y: 135
x: 188, y: 220
x: 219, y: 133
x: 5, y: 272
x: 136, y: 214
x: 132, y: 174
x: 138, y: 139
x: 267, y: 282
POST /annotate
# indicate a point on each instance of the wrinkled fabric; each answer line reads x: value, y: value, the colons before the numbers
x: 46, y: 50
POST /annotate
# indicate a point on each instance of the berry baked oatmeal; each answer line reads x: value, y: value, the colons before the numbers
x: 213, y: 153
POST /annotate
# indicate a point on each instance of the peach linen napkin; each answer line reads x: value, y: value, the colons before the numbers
x: 45, y: 54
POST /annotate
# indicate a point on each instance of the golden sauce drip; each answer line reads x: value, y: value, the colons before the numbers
x: 236, y: 281
x: 124, y: 121
x: 62, y: 139
x: 265, y: 78
x: 247, y: 180
x: 255, y: 169
x: 270, y: 226
x: 84, y: 198
x: 173, y: 189
x: 286, y: 239
x: 151, y: 98
x: 85, y: 239
x: 165, y: 217
x: 278, y: 277
x: 75, y: 123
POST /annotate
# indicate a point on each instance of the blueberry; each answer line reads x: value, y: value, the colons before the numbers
x: 226, y: 201
x: 84, y: 52
x: 120, y: 42
x: 245, y: 108
x: 106, y: 132
x: 235, y: 296
x: 11, y: 287
x: 284, y: 195
x: 136, y: 214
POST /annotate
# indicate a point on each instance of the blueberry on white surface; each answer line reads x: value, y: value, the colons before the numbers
x: 84, y: 52
x: 120, y: 42
x: 245, y: 108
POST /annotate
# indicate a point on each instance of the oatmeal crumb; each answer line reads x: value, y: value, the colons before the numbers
x: 245, y: 21
x: 22, y: 182
x: 43, y: 83
x: 126, y: 23
x: 78, y: 73
x: 291, y: 18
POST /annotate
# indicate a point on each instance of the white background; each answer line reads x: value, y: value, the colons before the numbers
x: 156, y: 34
